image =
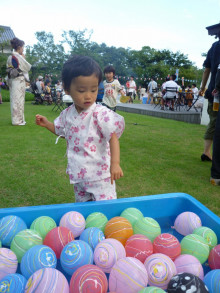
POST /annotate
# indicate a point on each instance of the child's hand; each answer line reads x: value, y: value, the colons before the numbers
x: 116, y: 172
x: 41, y: 120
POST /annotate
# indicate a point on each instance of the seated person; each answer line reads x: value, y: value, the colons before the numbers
x: 59, y: 89
x: 47, y: 92
x: 189, y: 96
x: 170, y: 95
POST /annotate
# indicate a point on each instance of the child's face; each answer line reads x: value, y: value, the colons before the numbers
x: 84, y: 90
x: 109, y: 76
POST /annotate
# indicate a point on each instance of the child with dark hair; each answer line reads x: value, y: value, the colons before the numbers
x: 112, y: 88
x: 47, y: 91
x: 91, y: 131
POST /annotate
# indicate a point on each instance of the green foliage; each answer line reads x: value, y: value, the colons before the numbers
x: 6, y: 96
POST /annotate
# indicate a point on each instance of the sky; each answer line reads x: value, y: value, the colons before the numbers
x: 174, y: 25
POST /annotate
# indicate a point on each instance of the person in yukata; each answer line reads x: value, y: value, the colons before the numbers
x: 91, y: 131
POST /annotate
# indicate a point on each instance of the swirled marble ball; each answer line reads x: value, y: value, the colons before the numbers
x: 208, y: 234
x: 92, y: 236
x: 195, y: 245
x: 118, y: 228
x: 160, y: 269
x: 23, y: 241
x: 57, y: 238
x: 187, y: 263
x: 13, y: 283
x: 74, y: 255
x: 36, y: 258
x: 8, y: 262
x: 107, y: 253
x: 214, y: 258
x: 9, y: 227
x: 152, y: 289
x: 186, y: 282
x: 132, y: 215
x: 128, y: 275
x: 186, y: 223
x: 74, y: 221
x: 167, y: 244
x: 43, y: 225
x: 98, y: 220
x: 148, y: 227
x: 139, y: 246
x: 212, y: 281
x: 47, y: 280
x: 88, y: 278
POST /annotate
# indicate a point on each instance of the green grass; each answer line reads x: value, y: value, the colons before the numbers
x: 6, y: 96
x: 157, y: 156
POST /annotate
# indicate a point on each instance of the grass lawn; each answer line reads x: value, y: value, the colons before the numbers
x: 157, y: 156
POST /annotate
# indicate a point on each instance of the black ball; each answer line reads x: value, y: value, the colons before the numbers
x: 186, y: 282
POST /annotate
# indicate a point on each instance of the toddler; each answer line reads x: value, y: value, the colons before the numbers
x: 91, y: 131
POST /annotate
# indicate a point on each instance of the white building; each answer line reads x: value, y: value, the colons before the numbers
x: 6, y: 34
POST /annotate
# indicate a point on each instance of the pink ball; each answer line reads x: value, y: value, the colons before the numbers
x: 47, y: 280
x: 57, y: 238
x: 107, y: 253
x: 88, y: 278
x: 139, y: 246
x: 8, y: 262
x: 167, y: 244
x: 74, y: 221
x: 214, y: 258
x: 128, y: 275
x: 187, y: 263
x: 187, y: 222
x: 160, y: 269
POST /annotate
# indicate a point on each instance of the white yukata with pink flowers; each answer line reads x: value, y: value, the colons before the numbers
x: 88, y: 151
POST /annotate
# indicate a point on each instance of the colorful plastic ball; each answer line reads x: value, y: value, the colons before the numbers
x: 36, y: 258
x: 0, y: 244
x: 107, y: 253
x: 74, y: 221
x: 187, y: 263
x: 23, y: 241
x: 128, y: 275
x: 195, y: 245
x: 92, y: 236
x: 43, y: 225
x: 214, y: 258
x: 152, y: 289
x: 186, y: 282
x: 148, y: 227
x: 57, y: 238
x: 160, y: 269
x: 118, y: 228
x: 208, y: 234
x: 8, y: 262
x: 74, y: 255
x: 132, y: 215
x: 138, y: 246
x: 186, y: 223
x: 88, y: 278
x: 167, y: 244
x: 13, y: 283
x: 9, y: 227
x: 212, y: 281
x: 98, y: 220
x: 47, y: 280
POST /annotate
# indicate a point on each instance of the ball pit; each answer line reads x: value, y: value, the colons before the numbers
x: 74, y: 221
x: 13, y: 283
x: 186, y: 223
x: 167, y: 244
x: 212, y: 281
x: 208, y: 234
x: 214, y: 258
x: 92, y: 236
x: 132, y: 215
x: 43, y: 225
x: 98, y: 220
x: 148, y: 227
x: 8, y: 262
x: 187, y: 263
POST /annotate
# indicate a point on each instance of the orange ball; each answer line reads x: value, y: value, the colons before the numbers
x: 118, y: 228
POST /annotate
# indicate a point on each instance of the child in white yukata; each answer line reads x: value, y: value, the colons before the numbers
x: 91, y: 132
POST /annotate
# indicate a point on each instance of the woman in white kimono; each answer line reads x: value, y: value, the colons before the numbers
x: 17, y: 84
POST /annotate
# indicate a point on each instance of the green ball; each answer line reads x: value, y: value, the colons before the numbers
x: 98, y: 220
x: 195, y: 245
x: 132, y: 215
x: 43, y: 225
x: 148, y: 227
x: 23, y: 241
x: 151, y: 290
x: 208, y: 234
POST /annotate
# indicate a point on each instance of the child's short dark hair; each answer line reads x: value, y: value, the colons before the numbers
x: 79, y: 66
x: 109, y: 68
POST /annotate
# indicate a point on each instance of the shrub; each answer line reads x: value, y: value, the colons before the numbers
x: 6, y: 96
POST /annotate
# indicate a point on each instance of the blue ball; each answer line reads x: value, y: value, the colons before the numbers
x: 74, y: 255
x: 92, y: 236
x: 13, y: 283
x: 212, y: 281
x: 36, y: 258
x: 9, y: 227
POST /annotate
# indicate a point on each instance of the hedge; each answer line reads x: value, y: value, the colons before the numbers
x: 6, y: 96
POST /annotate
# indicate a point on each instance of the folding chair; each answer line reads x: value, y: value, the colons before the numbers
x: 193, y: 103
x: 170, y: 94
x: 58, y: 103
